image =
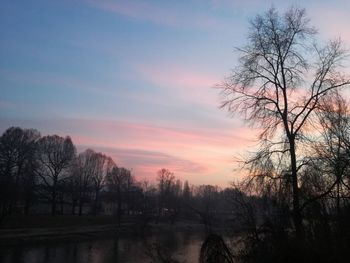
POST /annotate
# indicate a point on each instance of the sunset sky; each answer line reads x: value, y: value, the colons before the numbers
x: 134, y: 79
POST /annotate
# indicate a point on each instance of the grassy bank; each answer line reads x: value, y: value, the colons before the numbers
x: 40, y: 221
x: 42, y: 228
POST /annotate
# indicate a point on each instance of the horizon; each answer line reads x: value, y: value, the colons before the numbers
x: 135, y: 80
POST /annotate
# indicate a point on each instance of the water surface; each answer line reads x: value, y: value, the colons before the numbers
x: 183, y: 246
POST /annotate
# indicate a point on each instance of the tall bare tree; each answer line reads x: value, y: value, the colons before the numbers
x: 281, y: 77
x: 103, y: 166
x: 166, y: 181
x: 117, y: 181
x: 86, y: 167
x: 88, y: 175
x: 55, y: 155
x: 17, y: 151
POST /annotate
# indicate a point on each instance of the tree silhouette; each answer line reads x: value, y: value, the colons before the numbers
x: 166, y: 180
x: 55, y: 155
x: 117, y: 182
x: 17, y: 162
x: 103, y: 166
x: 281, y: 78
x: 333, y: 148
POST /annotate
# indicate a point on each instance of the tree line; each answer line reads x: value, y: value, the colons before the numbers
x: 46, y: 175
x: 48, y: 170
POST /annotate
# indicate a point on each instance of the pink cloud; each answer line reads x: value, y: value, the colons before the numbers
x: 174, y: 75
x: 182, y: 82
x: 145, y: 164
x: 149, y: 134
x: 145, y: 148
x: 200, y: 155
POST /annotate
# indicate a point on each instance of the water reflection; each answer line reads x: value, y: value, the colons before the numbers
x: 184, y: 247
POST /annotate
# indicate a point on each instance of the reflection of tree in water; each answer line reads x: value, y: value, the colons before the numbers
x: 159, y: 253
x: 163, y: 248
x: 215, y: 250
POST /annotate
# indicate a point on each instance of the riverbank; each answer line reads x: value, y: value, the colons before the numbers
x: 179, y: 245
x: 40, y: 221
x: 42, y: 229
x: 39, y: 235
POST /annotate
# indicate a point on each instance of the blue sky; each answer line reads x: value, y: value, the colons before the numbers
x: 135, y: 79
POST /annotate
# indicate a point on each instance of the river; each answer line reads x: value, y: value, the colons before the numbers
x: 180, y: 245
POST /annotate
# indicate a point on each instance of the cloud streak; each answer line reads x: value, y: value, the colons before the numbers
x: 186, y: 83
x: 145, y: 148
x: 145, y: 164
x: 158, y: 14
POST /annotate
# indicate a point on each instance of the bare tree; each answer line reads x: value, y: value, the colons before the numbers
x: 85, y: 169
x: 186, y: 198
x: 166, y: 180
x: 73, y: 185
x: 149, y: 202
x: 207, y: 204
x: 103, y: 166
x: 281, y: 77
x: 117, y: 180
x: 333, y: 148
x: 55, y: 155
x: 17, y: 164
x: 186, y: 193
x: 88, y: 175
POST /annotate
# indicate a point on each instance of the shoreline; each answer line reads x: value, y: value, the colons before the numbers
x: 11, y: 237
x: 19, y: 236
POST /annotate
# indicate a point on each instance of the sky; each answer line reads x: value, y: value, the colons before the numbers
x: 135, y: 79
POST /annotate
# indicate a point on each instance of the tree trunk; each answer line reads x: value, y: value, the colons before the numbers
x: 53, y: 195
x: 119, y: 207
x: 81, y: 204
x: 297, y: 217
x: 62, y: 205
x: 96, y: 202
x: 73, y: 207
x: 338, y: 196
x: 27, y: 205
x: 29, y: 195
x: 53, y: 202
